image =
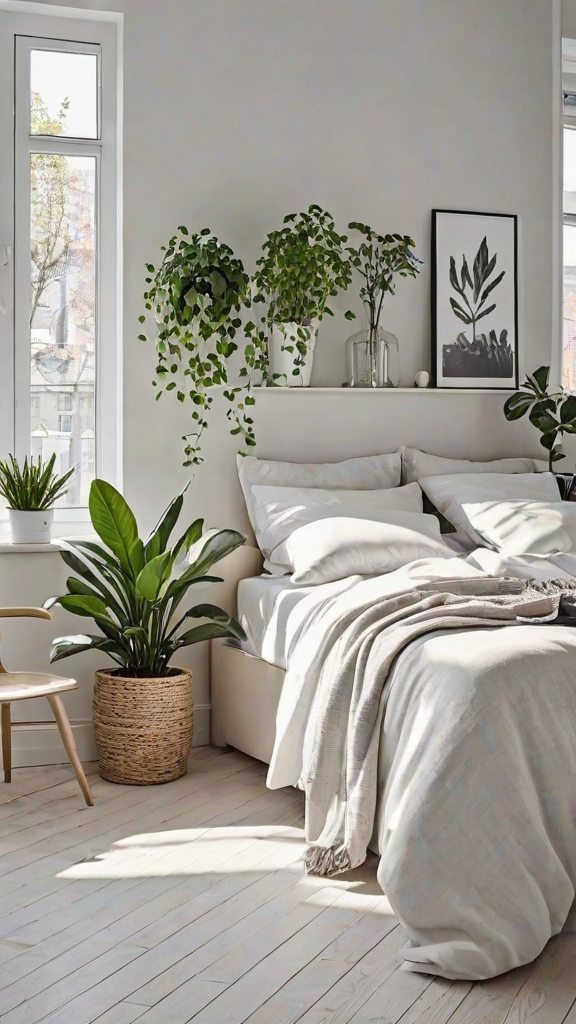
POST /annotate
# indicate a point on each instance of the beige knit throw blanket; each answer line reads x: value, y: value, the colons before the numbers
x: 340, y: 756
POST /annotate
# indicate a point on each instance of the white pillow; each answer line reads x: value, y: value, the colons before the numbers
x: 416, y: 464
x: 278, y: 511
x: 520, y: 527
x: 450, y: 493
x: 332, y: 549
x: 374, y: 472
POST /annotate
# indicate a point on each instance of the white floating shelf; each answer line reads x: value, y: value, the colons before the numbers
x: 388, y: 391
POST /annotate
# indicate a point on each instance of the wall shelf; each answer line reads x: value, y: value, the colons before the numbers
x: 387, y: 391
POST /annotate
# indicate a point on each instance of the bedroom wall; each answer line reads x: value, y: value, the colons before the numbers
x: 569, y: 19
x: 238, y: 111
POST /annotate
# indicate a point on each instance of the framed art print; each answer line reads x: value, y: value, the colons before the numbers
x: 474, y: 300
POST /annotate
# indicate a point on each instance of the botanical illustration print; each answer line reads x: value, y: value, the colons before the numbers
x: 473, y: 354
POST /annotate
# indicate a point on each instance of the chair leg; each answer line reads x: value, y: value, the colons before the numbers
x: 6, y: 743
x: 67, y: 738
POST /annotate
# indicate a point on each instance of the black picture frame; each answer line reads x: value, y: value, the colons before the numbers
x: 440, y: 313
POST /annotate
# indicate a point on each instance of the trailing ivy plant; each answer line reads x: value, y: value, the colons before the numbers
x: 304, y: 264
x: 552, y: 413
x: 196, y: 297
x: 380, y: 259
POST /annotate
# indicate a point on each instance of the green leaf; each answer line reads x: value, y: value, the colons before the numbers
x: 113, y: 521
x: 153, y: 575
x: 542, y: 376
x: 65, y: 646
x: 207, y: 631
x: 568, y: 409
x: 517, y: 405
x: 548, y: 440
x: 91, y: 607
x: 160, y: 535
x: 215, y: 614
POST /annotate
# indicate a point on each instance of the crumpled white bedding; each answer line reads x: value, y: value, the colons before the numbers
x: 476, y: 811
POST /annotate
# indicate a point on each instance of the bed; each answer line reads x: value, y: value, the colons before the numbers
x: 466, y: 783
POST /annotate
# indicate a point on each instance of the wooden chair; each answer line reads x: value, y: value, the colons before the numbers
x: 25, y: 685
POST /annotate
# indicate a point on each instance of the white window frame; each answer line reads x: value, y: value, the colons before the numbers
x: 57, y: 30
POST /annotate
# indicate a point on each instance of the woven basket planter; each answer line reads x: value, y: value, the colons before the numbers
x: 143, y: 727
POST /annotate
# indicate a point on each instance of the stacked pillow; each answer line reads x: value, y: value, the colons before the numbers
x: 420, y: 466
x: 375, y: 525
x: 450, y: 494
x: 282, y: 497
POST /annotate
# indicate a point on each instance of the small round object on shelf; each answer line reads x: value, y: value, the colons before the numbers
x: 422, y: 379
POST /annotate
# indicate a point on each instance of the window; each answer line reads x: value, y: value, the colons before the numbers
x: 569, y: 244
x: 59, y: 390
x: 569, y: 217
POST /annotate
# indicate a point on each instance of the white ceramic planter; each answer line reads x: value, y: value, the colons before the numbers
x: 30, y: 527
x: 282, y: 361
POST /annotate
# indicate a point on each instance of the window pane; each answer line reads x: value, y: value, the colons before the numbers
x: 64, y: 94
x: 62, y: 320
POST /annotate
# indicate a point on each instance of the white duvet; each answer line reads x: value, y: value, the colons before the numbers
x: 475, y: 819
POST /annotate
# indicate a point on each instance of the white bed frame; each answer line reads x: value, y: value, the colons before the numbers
x: 244, y: 689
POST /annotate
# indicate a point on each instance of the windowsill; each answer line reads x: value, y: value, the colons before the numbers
x: 54, y: 547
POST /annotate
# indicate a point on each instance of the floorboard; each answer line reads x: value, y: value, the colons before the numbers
x: 188, y: 904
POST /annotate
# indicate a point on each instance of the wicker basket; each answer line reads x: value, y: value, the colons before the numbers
x: 143, y: 727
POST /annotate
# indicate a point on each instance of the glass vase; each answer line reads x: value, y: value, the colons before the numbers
x: 373, y: 359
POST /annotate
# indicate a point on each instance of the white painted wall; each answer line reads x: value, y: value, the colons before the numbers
x: 238, y: 111
x: 569, y: 19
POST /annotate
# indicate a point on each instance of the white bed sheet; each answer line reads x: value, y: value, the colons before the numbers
x: 275, y: 613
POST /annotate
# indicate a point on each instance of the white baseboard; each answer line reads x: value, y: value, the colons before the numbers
x: 201, y: 737
x: 38, y: 743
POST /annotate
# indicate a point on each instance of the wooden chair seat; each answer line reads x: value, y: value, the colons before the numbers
x: 26, y: 685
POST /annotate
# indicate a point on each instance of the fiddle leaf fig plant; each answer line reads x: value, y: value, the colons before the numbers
x: 195, y: 298
x: 553, y: 413
x: 379, y: 260
x: 304, y: 264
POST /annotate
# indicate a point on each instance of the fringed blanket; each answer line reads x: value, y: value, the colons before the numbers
x: 344, y: 682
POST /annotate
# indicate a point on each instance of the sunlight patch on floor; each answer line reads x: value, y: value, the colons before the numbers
x: 185, y: 853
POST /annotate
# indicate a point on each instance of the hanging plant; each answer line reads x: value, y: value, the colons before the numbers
x: 196, y: 297
x: 304, y: 264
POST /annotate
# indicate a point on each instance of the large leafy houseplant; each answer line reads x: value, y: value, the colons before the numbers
x: 553, y: 413
x: 304, y: 264
x: 196, y: 297
x: 133, y: 590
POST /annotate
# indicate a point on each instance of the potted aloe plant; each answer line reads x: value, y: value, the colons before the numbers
x: 303, y: 265
x: 134, y: 590
x: 31, y: 491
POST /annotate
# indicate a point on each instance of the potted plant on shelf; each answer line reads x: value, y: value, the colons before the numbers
x: 31, y: 491
x: 133, y: 590
x: 379, y: 260
x: 303, y: 265
x: 553, y: 413
x: 195, y: 297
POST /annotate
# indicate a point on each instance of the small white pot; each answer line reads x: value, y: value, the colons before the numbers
x: 282, y: 361
x: 30, y: 527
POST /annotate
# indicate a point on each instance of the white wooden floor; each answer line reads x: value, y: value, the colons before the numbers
x: 188, y: 903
